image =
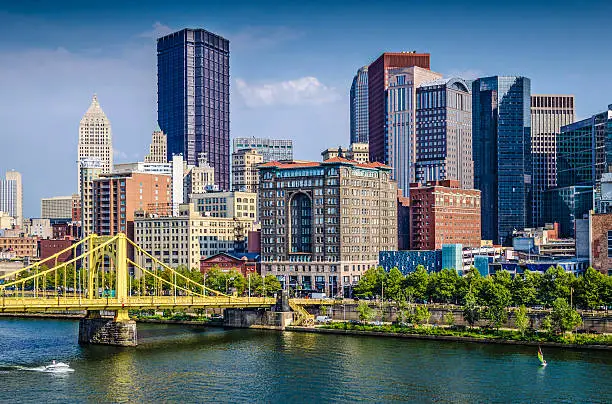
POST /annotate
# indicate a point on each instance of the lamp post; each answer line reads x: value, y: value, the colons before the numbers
x: 249, y: 279
x: 226, y: 284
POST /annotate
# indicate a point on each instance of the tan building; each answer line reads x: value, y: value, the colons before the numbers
x: 21, y: 246
x: 199, y: 179
x: 6, y: 221
x: 548, y: 114
x: 39, y: 228
x: 158, y: 149
x: 245, y: 176
x: 356, y: 151
x: 95, y: 138
x: 57, y: 207
x: 323, y: 224
x: 227, y: 204
x: 184, y: 239
x: 11, y: 196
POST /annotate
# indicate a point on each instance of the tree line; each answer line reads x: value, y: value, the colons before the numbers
x: 588, y: 291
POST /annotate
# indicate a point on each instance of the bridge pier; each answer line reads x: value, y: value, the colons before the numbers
x: 118, y: 331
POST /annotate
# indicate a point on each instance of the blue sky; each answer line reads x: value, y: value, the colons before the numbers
x: 291, y: 66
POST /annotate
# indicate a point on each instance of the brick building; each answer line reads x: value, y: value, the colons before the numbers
x: 49, y: 247
x: 245, y: 263
x: 117, y: 196
x: 601, y: 242
x: 21, y: 246
x: 443, y: 213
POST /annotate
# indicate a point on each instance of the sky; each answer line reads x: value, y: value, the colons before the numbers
x: 291, y: 66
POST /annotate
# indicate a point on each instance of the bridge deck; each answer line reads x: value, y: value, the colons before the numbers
x: 38, y: 304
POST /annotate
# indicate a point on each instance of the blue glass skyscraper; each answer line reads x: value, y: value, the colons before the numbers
x: 193, y: 98
x: 501, y: 145
x: 359, y: 107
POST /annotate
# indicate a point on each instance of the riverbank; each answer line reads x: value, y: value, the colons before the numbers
x: 77, y: 316
x: 413, y: 333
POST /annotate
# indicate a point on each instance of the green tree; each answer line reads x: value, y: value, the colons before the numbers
x: 421, y: 315
x: 546, y: 324
x: 416, y: 284
x: 563, y: 317
x: 590, y: 289
x: 449, y: 318
x: 370, y: 283
x: 497, y: 299
x: 271, y: 285
x: 521, y: 319
x: 524, y: 288
x: 556, y: 283
x: 471, y: 311
x: 365, y: 312
x: 393, y: 285
x: 442, y: 285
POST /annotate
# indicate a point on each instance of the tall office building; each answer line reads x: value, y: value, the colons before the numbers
x: 270, y: 149
x: 57, y: 207
x: 548, y: 114
x: 359, y: 107
x: 90, y: 170
x: 95, y: 138
x: 158, y: 150
x: 400, y: 128
x: 193, y: 103
x: 11, y: 196
x: 378, y: 81
x: 501, y: 123
x: 444, y: 132
x: 245, y: 176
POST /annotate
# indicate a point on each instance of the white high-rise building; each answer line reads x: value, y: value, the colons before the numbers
x: 11, y: 196
x: 95, y: 138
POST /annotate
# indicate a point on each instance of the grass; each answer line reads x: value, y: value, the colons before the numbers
x: 480, y: 333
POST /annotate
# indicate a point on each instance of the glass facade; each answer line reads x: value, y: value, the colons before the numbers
x: 193, y: 98
x: 270, y: 149
x: 408, y: 261
x: 566, y: 204
x: 359, y: 107
x: 452, y: 257
x: 501, y: 150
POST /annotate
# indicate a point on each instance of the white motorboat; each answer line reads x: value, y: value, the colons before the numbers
x: 58, y: 367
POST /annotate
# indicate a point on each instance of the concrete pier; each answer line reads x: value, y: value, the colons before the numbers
x: 118, y: 331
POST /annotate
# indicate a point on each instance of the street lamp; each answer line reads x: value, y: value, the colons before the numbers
x: 226, y: 284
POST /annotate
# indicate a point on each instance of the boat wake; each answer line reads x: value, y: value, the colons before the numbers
x: 58, y: 367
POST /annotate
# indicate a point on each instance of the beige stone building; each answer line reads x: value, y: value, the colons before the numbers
x: 90, y: 170
x: 184, y: 239
x: 245, y: 176
x: 158, y: 149
x: 199, y: 179
x: 6, y: 221
x: 95, y: 138
x: 227, y: 204
x: 57, y: 207
x: 323, y: 224
x: 356, y: 151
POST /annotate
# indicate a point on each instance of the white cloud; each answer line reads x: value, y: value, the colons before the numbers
x: 468, y: 74
x: 302, y: 91
x: 261, y: 37
x: 158, y: 30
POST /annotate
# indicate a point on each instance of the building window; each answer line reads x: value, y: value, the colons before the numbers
x: 609, y: 243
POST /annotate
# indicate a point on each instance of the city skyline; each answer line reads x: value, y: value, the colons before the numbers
x: 89, y: 51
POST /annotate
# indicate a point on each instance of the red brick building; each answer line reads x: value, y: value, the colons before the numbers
x: 49, y: 247
x: 601, y: 242
x: 443, y: 213
x: 117, y: 197
x: 21, y: 246
x: 244, y: 262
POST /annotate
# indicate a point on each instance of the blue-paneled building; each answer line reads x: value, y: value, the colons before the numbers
x: 501, y: 146
x: 452, y: 257
x: 359, y: 107
x: 407, y: 261
x: 193, y: 98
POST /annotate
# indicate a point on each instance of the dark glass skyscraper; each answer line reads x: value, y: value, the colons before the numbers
x: 193, y: 98
x: 501, y: 145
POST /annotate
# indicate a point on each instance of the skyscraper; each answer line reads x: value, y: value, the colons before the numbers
x: 399, y: 131
x: 193, y: 97
x: 548, y: 114
x: 444, y: 132
x: 11, y: 196
x: 378, y: 80
x: 501, y: 123
x: 95, y: 138
x: 158, y: 150
x: 359, y: 107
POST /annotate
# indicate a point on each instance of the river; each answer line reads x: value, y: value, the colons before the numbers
x: 180, y: 363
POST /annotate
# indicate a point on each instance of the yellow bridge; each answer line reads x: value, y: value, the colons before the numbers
x: 97, y: 278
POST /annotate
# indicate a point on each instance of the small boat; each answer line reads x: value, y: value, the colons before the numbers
x: 58, y: 367
x: 541, y: 357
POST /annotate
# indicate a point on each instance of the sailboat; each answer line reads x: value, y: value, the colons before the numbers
x: 541, y: 357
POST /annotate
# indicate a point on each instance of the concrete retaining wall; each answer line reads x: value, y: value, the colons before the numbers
x: 239, y: 318
x: 106, y: 331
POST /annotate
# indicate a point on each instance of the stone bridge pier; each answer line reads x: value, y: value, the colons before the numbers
x: 118, y: 331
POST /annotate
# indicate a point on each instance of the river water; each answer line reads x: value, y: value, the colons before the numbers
x: 178, y: 363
